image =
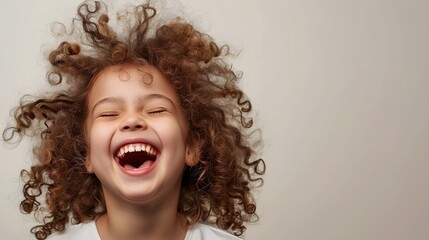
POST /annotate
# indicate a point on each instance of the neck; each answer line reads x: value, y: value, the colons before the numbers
x: 142, y: 221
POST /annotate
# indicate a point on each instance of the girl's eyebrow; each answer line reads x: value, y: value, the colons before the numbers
x: 121, y: 101
x: 116, y: 100
x: 154, y: 96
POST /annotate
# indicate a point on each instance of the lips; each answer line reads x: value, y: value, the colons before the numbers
x: 136, y: 157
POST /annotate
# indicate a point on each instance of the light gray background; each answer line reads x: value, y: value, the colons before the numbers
x: 341, y: 92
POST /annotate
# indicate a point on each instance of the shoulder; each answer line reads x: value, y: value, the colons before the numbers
x: 203, y: 231
x: 76, y: 232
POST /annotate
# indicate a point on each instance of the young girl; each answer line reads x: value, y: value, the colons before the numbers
x: 145, y: 134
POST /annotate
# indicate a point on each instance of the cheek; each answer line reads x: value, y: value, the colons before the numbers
x: 98, y: 149
x: 172, y: 133
x: 97, y: 138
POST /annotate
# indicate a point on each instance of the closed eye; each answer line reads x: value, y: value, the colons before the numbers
x: 107, y: 115
x: 158, y: 111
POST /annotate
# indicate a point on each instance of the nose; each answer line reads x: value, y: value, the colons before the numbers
x: 133, y: 122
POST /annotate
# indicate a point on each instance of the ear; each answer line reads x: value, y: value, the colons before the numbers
x: 88, y: 165
x: 192, y: 155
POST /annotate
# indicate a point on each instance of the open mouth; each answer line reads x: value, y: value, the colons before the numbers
x: 136, y: 156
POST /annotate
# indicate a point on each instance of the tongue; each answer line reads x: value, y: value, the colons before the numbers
x: 146, y: 164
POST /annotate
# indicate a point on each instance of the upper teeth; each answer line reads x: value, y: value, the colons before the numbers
x: 136, y: 147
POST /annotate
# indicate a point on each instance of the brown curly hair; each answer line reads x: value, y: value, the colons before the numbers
x: 218, y: 189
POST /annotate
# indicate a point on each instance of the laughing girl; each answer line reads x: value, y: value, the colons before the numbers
x: 145, y: 134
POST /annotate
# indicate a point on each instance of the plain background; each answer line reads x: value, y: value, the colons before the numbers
x: 340, y: 89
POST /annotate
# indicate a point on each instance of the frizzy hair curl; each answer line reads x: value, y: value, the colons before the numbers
x: 217, y: 189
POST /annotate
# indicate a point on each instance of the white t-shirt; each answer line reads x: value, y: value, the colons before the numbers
x: 88, y: 231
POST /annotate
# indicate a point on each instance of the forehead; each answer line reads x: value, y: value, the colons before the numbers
x: 125, y: 79
x: 126, y: 72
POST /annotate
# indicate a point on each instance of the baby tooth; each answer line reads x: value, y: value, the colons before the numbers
x: 131, y: 148
x: 138, y: 148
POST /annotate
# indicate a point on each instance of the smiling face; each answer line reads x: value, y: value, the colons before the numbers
x: 136, y: 134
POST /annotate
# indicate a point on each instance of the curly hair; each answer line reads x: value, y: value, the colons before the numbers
x: 217, y: 189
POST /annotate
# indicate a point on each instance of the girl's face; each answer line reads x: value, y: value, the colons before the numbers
x: 136, y: 134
